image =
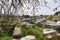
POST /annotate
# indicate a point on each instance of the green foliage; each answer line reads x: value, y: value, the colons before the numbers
x: 6, y: 38
x: 58, y: 29
x: 37, y: 31
x: 55, y: 18
x: 2, y: 34
x: 26, y: 16
x: 57, y: 13
x: 18, y: 25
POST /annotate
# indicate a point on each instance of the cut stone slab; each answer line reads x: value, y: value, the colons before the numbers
x: 17, y: 32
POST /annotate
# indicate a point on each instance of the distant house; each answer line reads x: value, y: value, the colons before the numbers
x: 49, y: 33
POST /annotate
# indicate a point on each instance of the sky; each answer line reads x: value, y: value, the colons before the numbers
x: 42, y: 10
x: 46, y: 11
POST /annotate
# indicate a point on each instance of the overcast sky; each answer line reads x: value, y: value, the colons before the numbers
x: 41, y: 9
x: 47, y: 11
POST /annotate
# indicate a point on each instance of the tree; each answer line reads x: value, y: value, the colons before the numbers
x: 10, y: 7
x: 9, y: 4
x: 57, y: 13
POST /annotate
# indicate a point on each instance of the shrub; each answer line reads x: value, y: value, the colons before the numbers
x: 6, y: 38
x: 37, y: 31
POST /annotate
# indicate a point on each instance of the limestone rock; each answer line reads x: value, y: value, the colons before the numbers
x: 15, y: 39
x: 29, y: 37
x: 17, y: 32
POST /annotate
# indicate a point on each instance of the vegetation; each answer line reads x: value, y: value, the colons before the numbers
x: 7, y: 35
x: 11, y: 22
x: 9, y: 18
x: 6, y: 38
x: 37, y: 31
x: 57, y: 13
x: 55, y: 17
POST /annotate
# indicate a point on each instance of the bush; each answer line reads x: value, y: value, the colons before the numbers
x: 6, y: 38
x: 37, y: 31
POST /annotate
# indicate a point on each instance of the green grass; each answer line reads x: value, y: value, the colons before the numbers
x: 37, y: 31
x: 6, y: 38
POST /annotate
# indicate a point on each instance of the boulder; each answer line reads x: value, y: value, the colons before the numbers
x: 15, y: 39
x: 29, y: 37
x: 17, y: 32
